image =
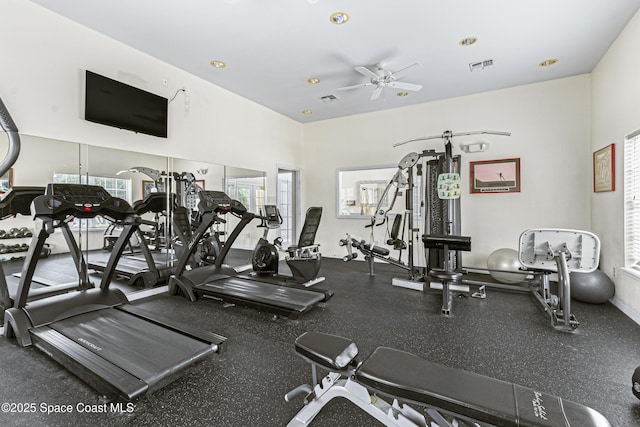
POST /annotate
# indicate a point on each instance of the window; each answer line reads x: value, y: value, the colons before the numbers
x: 632, y: 200
x: 287, y: 204
x: 117, y: 187
x: 250, y: 195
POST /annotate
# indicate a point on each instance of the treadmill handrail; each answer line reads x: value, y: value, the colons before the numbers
x: 9, y: 126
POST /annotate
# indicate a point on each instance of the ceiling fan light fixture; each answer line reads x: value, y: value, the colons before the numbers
x: 313, y: 80
x: 307, y: 112
x: 217, y: 64
x: 548, y: 62
x: 339, y: 18
x: 468, y: 41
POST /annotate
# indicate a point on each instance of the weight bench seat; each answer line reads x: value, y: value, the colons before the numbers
x: 407, y: 377
x: 412, y: 378
x: 376, y: 249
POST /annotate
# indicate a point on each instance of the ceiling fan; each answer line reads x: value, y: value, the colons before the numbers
x: 382, y: 78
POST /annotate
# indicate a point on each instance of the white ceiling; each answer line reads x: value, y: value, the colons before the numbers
x: 271, y: 47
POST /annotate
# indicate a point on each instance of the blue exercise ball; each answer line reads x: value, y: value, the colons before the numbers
x: 594, y: 288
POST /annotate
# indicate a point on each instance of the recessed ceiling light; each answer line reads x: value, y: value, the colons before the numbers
x: 217, y: 64
x: 307, y: 112
x: 402, y: 94
x: 339, y: 18
x: 548, y: 62
x: 468, y: 41
x: 313, y: 80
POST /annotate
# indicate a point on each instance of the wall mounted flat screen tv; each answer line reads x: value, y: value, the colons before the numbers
x: 116, y: 104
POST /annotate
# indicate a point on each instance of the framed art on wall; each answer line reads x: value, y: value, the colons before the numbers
x: 147, y: 187
x: 495, y: 176
x: 604, y: 178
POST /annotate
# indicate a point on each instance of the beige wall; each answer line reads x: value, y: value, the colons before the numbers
x: 615, y: 112
x: 549, y: 123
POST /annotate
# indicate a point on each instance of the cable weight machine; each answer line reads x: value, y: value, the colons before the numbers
x: 441, y: 214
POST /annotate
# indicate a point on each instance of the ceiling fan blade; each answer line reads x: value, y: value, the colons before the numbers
x: 354, y: 86
x: 376, y: 92
x: 367, y: 72
x: 405, y: 86
x: 402, y: 70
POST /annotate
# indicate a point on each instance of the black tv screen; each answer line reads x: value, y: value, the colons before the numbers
x: 112, y: 103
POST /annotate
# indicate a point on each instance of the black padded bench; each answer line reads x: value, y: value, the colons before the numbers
x: 444, y: 392
x: 376, y: 249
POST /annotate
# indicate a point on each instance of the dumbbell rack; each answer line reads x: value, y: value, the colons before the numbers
x: 19, y: 247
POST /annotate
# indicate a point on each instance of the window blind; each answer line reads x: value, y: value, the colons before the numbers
x: 632, y: 200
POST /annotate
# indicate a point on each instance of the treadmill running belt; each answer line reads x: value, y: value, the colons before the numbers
x: 266, y: 293
x: 142, y: 348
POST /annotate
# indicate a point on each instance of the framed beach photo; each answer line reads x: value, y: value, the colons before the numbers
x: 495, y: 176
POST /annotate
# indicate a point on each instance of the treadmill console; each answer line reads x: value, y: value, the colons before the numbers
x: 79, y: 201
x: 154, y: 202
x: 272, y: 218
x: 219, y: 202
x: 18, y: 201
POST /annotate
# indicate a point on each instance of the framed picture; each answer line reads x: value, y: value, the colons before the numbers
x: 604, y: 177
x: 147, y: 187
x: 495, y: 176
x: 6, y: 181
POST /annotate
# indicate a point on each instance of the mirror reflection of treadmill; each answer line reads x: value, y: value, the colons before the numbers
x: 17, y: 201
x: 123, y: 351
x: 145, y: 267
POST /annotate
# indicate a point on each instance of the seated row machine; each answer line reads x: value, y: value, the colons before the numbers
x: 447, y: 396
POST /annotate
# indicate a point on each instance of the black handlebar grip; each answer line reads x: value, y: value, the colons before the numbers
x: 6, y: 121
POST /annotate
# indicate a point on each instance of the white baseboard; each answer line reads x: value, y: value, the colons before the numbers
x: 409, y: 284
x: 631, y: 314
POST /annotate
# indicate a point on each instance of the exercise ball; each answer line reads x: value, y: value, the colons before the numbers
x: 635, y: 381
x: 594, y: 287
x: 501, y: 261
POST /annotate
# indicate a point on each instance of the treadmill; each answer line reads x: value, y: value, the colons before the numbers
x: 220, y: 281
x: 18, y: 201
x: 153, y: 267
x: 123, y: 351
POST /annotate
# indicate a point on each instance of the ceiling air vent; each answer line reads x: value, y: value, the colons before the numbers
x: 477, y: 66
x: 330, y: 98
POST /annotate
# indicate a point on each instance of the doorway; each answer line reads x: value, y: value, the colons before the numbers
x: 287, y: 199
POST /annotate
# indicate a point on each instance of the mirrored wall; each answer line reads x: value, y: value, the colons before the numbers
x: 128, y: 175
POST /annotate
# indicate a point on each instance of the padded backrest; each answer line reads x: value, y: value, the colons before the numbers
x: 540, y: 246
x: 395, y: 229
x: 181, y: 222
x: 310, y: 227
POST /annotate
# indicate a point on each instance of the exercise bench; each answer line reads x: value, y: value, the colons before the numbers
x: 447, y: 396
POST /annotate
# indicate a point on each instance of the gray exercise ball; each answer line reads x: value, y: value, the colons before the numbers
x: 594, y: 287
x: 501, y: 261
